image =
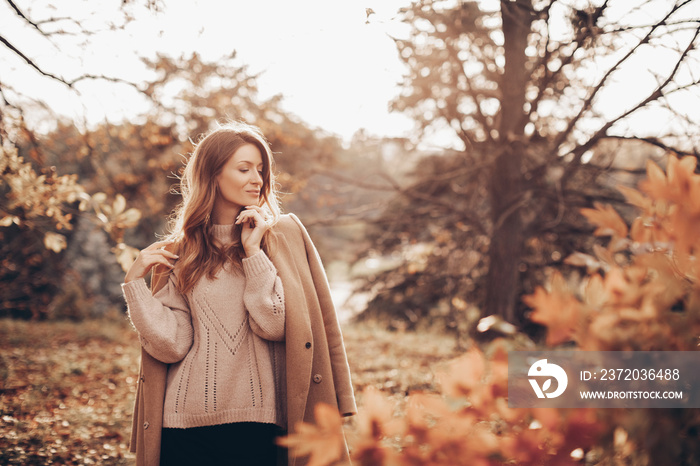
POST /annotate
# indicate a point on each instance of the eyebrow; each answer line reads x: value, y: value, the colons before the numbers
x: 248, y: 162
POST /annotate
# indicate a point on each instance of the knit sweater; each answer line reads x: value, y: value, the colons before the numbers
x: 223, y: 341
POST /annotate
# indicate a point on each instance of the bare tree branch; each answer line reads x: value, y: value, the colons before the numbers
x: 413, y: 193
x: 23, y: 16
x: 349, y: 216
x: 30, y: 62
x: 70, y: 83
x: 589, y: 100
x: 658, y: 93
x: 656, y: 142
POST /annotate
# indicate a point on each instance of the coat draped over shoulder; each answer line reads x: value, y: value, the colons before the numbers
x: 317, y: 367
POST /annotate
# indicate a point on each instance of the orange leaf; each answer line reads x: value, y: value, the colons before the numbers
x: 656, y: 184
x: 421, y: 407
x: 323, y: 441
x: 594, y: 293
x: 680, y: 177
x: 607, y: 220
x: 375, y: 420
x: 558, y: 310
x: 463, y: 374
x: 635, y: 197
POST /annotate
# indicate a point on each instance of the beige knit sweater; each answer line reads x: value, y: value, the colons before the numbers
x: 224, y: 342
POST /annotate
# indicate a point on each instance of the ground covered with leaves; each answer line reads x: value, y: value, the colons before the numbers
x: 67, y: 389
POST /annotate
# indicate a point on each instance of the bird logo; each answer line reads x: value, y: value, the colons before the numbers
x: 542, y: 368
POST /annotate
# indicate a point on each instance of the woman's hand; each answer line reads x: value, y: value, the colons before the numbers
x: 147, y: 258
x: 253, y: 227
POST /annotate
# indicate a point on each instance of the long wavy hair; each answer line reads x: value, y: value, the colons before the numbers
x: 191, y: 222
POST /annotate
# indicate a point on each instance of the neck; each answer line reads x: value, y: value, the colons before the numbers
x: 225, y: 215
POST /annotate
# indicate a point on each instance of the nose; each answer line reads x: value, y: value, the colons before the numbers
x: 257, y: 177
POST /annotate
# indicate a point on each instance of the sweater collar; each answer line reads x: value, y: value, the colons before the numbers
x: 222, y: 233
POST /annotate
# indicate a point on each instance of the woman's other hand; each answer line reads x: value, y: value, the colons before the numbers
x: 152, y: 255
x: 253, y: 227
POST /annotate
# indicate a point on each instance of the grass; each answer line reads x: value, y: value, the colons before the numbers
x: 67, y: 389
x: 66, y: 392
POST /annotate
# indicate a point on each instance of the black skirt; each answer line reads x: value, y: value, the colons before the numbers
x: 239, y: 443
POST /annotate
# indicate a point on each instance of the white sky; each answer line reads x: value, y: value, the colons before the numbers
x: 334, y: 71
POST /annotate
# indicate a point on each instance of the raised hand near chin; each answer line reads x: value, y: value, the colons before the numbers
x: 253, y: 227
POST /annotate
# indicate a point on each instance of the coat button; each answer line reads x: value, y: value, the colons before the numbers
x: 141, y: 379
x: 308, y: 345
x: 145, y: 425
x: 318, y: 378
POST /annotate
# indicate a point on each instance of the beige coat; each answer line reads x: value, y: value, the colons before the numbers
x: 317, y: 367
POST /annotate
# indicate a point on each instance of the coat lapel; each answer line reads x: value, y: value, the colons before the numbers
x: 299, y: 340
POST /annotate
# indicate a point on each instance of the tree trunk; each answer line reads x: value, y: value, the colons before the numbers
x: 505, y: 184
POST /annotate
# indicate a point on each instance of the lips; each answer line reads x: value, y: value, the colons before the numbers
x: 254, y: 193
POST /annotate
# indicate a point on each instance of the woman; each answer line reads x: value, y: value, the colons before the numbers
x: 239, y: 334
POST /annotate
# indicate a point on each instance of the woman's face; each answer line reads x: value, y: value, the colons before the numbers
x: 241, y: 180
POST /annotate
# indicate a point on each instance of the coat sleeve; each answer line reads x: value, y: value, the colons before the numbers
x: 336, y: 347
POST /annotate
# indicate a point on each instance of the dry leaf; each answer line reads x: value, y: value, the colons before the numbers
x: 558, y: 310
x: 607, y: 220
x: 323, y: 441
x: 54, y: 241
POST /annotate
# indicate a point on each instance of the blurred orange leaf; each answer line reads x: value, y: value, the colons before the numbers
x: 656, y: 184
x: 558, y: 310
x: 323, y: 441
x: 635, y: 197
x: 463, y: 374
x: 607, y: 220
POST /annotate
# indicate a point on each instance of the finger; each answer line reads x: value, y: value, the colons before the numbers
x: 158, y: 256
x: 159, y: 244
x: 255, y: 221
x: 247, y: 216
x: 167, y: 253
x: 258, y: 210
x: 165, y: 262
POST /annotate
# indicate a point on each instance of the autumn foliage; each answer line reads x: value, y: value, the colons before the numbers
x: 639, y: 292
x: 39, y: 207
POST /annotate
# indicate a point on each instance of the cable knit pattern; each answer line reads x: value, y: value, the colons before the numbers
x: 224, y: 342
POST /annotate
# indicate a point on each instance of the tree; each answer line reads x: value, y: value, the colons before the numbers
x: 38, y: 204
x: 528, y: 88
x: 137, y: 163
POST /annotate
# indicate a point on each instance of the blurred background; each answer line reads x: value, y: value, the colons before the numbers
x: 438, y: 151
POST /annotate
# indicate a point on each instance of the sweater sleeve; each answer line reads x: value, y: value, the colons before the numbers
x: 264, y: 297
x: 162, y: 319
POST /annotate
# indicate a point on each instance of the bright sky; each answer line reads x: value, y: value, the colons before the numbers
x: 334, y: 70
